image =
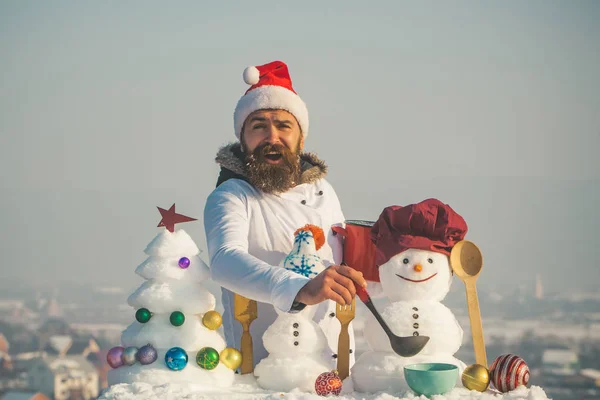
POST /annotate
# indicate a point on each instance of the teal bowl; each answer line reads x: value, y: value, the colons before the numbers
x: 431, y: 378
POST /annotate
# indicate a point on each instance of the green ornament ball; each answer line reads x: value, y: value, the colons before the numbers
x: 143, y: 315
x: 177, y: 318
x: 207, y: 358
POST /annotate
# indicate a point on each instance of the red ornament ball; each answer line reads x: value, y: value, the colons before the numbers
x: 328, y: 383
x: 508, y: 372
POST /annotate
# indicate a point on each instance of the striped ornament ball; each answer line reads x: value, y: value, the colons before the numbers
x: 508, y: 372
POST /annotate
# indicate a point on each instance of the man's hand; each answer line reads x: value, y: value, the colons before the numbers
x: 335, y: 283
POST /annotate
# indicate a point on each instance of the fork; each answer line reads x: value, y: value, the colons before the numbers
x: 345, y: 314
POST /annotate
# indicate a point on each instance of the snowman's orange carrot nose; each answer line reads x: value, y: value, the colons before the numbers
x: 418, y: 268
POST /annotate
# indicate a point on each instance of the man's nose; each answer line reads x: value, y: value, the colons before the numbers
x: 272, y: 134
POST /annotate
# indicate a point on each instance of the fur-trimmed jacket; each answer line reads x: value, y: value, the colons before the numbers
x: 249, y: 232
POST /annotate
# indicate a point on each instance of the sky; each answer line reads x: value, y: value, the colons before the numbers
x: 110, y: 109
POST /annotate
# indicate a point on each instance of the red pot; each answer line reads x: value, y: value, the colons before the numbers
x: 359, y: 250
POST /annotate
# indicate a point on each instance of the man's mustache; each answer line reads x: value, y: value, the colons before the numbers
x: 267, y: 148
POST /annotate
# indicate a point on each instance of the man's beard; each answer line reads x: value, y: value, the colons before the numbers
x: 273, y: 178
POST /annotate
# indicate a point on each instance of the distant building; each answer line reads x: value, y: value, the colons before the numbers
x: 539, y: 288
x: 77, y: 345
x: 592, y: 376
x: 560, y: 362
x: 13, y: 395
x: 4, y: 345
x: 52, y: 327
x: 5, y: 361
x: 98, y: 359
x: 61, y: 378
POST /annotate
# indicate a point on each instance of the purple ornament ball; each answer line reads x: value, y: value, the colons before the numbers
x: 113, y: 357
x: 184, y: 262
x: 147, y: 354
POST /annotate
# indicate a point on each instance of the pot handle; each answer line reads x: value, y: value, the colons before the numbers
x: 339, y: 230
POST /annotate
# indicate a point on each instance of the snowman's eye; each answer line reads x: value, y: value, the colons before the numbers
x: 430, y: 260
x: 405, y: 261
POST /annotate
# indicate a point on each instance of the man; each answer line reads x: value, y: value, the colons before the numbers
x: 266, y: 190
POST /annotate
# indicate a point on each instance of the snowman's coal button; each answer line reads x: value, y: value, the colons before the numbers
x: 416, y: 326
x: 331, y: 315
x: 296, y: 343
x: 415, y: 333
x: 415, y: 316
x: 334, y: 356
x: 350, y: 351
x: 415, y: 309
x: 295, y: 325
x: 296, y: 333
x: 303, y: 202
x: 320, y: 193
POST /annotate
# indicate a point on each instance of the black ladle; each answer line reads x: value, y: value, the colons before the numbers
x: 405, y: 346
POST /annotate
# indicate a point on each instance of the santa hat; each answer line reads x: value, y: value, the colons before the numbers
x: 271, y: 89
x: 428, y: 225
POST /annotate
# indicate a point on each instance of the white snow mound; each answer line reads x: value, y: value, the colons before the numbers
x: 176, y: 244
x: 167, y: 269
x: 245, y: 388
x: 159, y: 332
x: 166, y: 297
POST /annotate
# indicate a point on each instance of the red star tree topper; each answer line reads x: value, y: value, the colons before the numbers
x: 170, y: 218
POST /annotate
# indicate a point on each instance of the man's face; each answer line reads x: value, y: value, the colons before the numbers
x: 272, y: 142
x: 272, y: 127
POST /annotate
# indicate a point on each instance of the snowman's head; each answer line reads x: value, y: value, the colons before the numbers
x: 412, y: 245
x: 416, y: 275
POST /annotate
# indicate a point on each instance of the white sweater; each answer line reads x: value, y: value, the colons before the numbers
x: 249, y: 232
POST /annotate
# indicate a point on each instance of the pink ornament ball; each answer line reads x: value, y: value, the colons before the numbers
x: 509, y: 372
x: 184, y: 262
x: 114, y: 357
x: 328, y: 383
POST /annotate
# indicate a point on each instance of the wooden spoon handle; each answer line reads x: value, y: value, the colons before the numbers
x: 476, y: 326
x: 247, y: 366
x: 343, y: 354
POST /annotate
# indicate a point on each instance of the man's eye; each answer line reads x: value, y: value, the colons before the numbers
x: 259, y: 126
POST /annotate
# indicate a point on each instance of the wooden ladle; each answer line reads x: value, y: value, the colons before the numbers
x: 466, y: 261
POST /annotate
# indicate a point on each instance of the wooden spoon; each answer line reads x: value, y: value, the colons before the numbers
x: 245, y: 311
x: 466, y: 261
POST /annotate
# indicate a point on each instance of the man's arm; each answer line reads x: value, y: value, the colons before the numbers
x: 226, y: 226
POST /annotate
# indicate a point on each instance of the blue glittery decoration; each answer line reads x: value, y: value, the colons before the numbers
x: 176, y: 358
x: 302, y: 236
x: 302, y: 265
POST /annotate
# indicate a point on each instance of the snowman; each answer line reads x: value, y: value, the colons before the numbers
x: 296, y: 344
x: 413, y: 245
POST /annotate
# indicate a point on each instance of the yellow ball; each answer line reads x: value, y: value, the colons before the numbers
x: 231, y: 358
x: 212, y: 320
x: 476, y: 377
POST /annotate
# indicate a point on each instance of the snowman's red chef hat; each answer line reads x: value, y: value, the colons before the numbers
x: 271, y: 89
x: 428, y: 225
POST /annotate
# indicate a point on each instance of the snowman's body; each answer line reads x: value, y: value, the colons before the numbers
x: 414, y: 281
x: 296, y: 347
x: 296, y: 344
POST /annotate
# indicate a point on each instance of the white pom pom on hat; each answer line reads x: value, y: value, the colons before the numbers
x: 251, y: 75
